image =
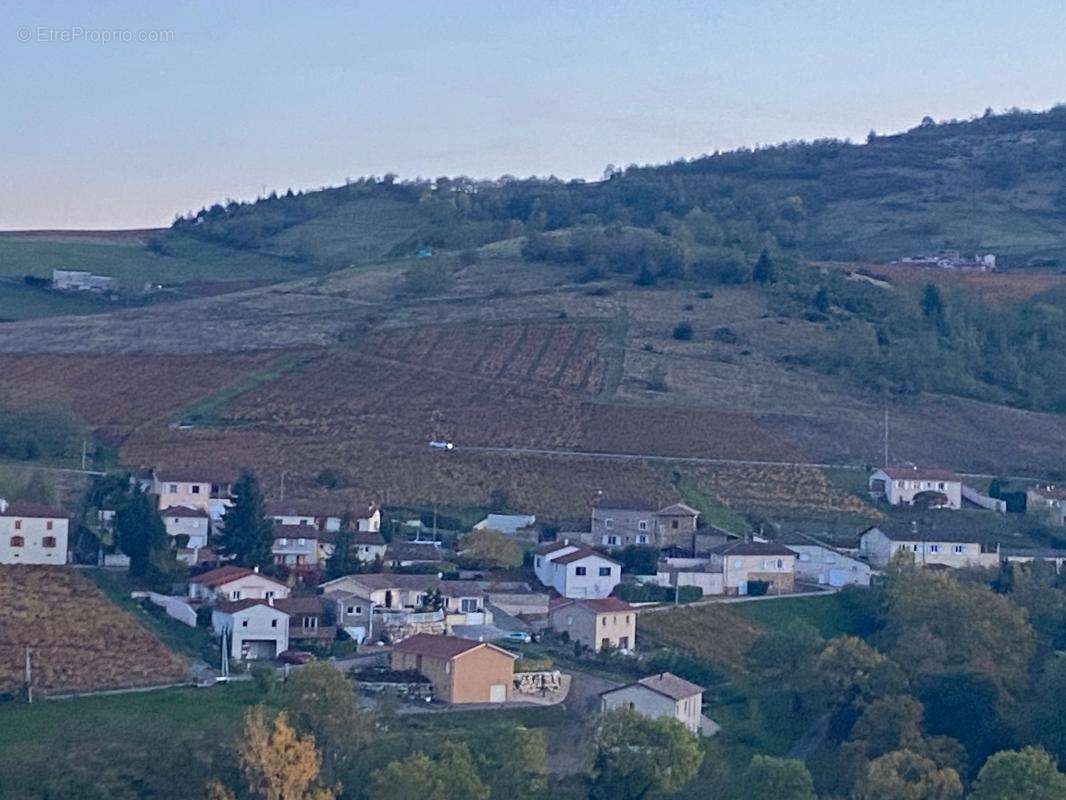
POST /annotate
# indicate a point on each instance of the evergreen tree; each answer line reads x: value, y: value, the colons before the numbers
x: 340, y: 561
x: 141, y: 535
x: 932, y: 303
x: 765, y: 270
x: 248, y: 535
x: 821, y: 300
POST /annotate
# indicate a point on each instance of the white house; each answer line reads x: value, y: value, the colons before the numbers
x: 508, y: 524
x: 368, y: 547
x: 575, y: 571
x: 819, y: 563
x: 878, y: 544
x: 230, y: 583
x: 660, y: 696
x: 32, y: 534
x: 191, y: 522
x: 906, y: 485
x: 364, y: 516
x: 255, y: 628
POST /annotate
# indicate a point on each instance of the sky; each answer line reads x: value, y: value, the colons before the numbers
x: 123, y: 114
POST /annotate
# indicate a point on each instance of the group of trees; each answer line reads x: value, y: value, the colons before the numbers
x: 949, y: 678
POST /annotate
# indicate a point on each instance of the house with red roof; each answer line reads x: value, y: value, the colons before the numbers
x: 232, y: 583
x: 576, y: 571
x: 937, y: 488
x: 460, y: 670
x: 597, y: 623
x: 32, y: 534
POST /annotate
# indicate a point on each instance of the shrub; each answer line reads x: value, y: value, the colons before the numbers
x: 639, y: 559
x: 724, y: 335
x: 646, y: 593
x: 683, y: 331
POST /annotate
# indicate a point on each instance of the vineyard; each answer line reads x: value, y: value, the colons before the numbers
x: 79, y: 640
x: 779, y: 488
x: 714, y: 633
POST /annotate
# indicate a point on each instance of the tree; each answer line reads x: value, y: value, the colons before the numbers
x: 787, y: 657
x: 683, y: 331
x: 903, y: 775
x: 247, y: 533
x: 490, y: 549
x: 821, y: 300
x: 276, y: 764
x: 1027, y: 774
x: 141, y: 535
x: 765, y: 271
x: 849, y: 670
x: 932, y: 303
x: 320, y: 701
x: 889, y: 723
x: 634, y: 757
x: 450, y: 776
x: 516, y: 764
x: 769, y: 778
x: 340, y: 561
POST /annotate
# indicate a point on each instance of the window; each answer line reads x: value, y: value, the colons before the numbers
x: 48, y: 525
x: 273, y: 623
x: 611, y: 539
x: 468, y: 605
x: 642, y: 538
x: 351, y: 609
x: 302, y: 542
x: 780, y: 563
x: 17, y: 541
x: 235, y: 594
x: 580, y: 571
x: 173, y: 488
x: 958, y: 548
x: 48, y: 541
x: 675, y: 524
x: 608, y: 523
x: 605, y: 572
x: 18, y: 524
x: 196, y: 488
x: 569, y: 620
x: 268, y: 595
x: 934, y: 548
x: 244, y: 623
x: 915, y: 548
x: 282, y: 542
x: 642, y: 525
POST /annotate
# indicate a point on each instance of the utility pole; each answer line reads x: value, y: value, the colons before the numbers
x: 83, y: 455
x: 886, y: 435
x: 283, y: 486
x: 29, y: 678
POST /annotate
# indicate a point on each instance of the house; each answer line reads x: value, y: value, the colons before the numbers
x: 879, y: 543
x: 818, y: 563
x: 662, y: 696
x: 596, y: 623
x: 256, y: 628
x: 368, y: 547
x: 907, y: 485
x: 32, y: 534
x: 307, y: 620
x: 1018, y: 555
x: 507, y: 524
x: 409, y: 554
x: 1047, y: 501
x: 364, y: 517
x: 206, y: 489
x: 698, y: 571
x: 231, y: 583
x: 624, y: 522
x: 575, y: 571
x: 460, y: 670
x: 76, y: 280
x: 187, y: 521
x: 743, y: 562
x: 296, y: 546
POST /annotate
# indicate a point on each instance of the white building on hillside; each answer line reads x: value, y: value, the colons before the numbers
x: 230, y: 583
x: 932, y: 548
x: 32, y: 534
x: 575, y: 571
x: 660, y: 696
x: 907, y: 485
x: 255, y: 628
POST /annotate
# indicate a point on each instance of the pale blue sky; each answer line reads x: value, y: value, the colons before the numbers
x: 246, y: 95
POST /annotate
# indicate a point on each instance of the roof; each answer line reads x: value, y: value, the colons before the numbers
x: 506, y: 523
x: 751, y: 549
x: 296, y: 532
x: 300, y: 605
x: 1032, y: 552
x: 551, y: 547
x: 583, y: 553
x: 919, y: 474
x: 624, y: 504
x: 604, y: 605
x: 669, y: 684
x: 223, y: 575
x: 380, y: 580
x: 365, y: 537
x: 905, y: 533
x: 435, y: 645
x: 184, y: 511
x: 33, y: 510
x: 241, y: 605
x: 407, y: 551
x: 678, y: 510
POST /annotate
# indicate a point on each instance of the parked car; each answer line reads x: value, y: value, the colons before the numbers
x: 439, y: 445
x: 518, y: 636
x: 294, y: 657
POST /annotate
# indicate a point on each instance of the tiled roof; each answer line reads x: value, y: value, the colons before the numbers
x: 295, y: 532
x: 670, y: 685
x: 604, y: 605
x: 905, y: 533
x: 436, y: 645
x: 222, y: 575
x: 678, y: 510
x: 405, y: 551
x: 1032, y: 552
x: 300, y: 605
x: 33, y: 511
x: 751, y: 549
x: 551, y: 547
x: 184, y: 511
x: 240, y: 605
x: 582, y: 553
x: 920, y: 474
x: 318, y: 508
x: 367, y: 538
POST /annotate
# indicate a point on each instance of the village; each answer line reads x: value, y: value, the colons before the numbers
x: 505, y: 614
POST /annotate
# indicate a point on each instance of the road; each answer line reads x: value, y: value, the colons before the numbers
x: 735, y: 599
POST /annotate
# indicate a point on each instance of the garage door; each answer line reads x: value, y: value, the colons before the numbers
x: 260, y: 649
x: 838, y: 577
x: 497, y: 693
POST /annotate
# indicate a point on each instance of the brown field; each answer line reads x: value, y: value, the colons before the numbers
x: 778, y: 488
x: 1015, y: 284
x: 714, y: 633
x: 79, y: 640
x: 118, y: 393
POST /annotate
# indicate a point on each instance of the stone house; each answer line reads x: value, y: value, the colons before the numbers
x: 460, y: 670
x: 596, y: 623
x: 743, y: 562
x: 659, y: 696
x: 622, y: 522
x: 907, y: 485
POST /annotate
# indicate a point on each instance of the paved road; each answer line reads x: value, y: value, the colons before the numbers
x: 735, y: 599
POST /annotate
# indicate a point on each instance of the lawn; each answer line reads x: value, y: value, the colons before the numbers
x: 829, y: 614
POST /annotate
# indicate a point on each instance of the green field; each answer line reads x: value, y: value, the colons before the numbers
x: 829, y: 614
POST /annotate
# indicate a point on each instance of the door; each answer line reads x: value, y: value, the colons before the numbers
x: 497, y: 693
